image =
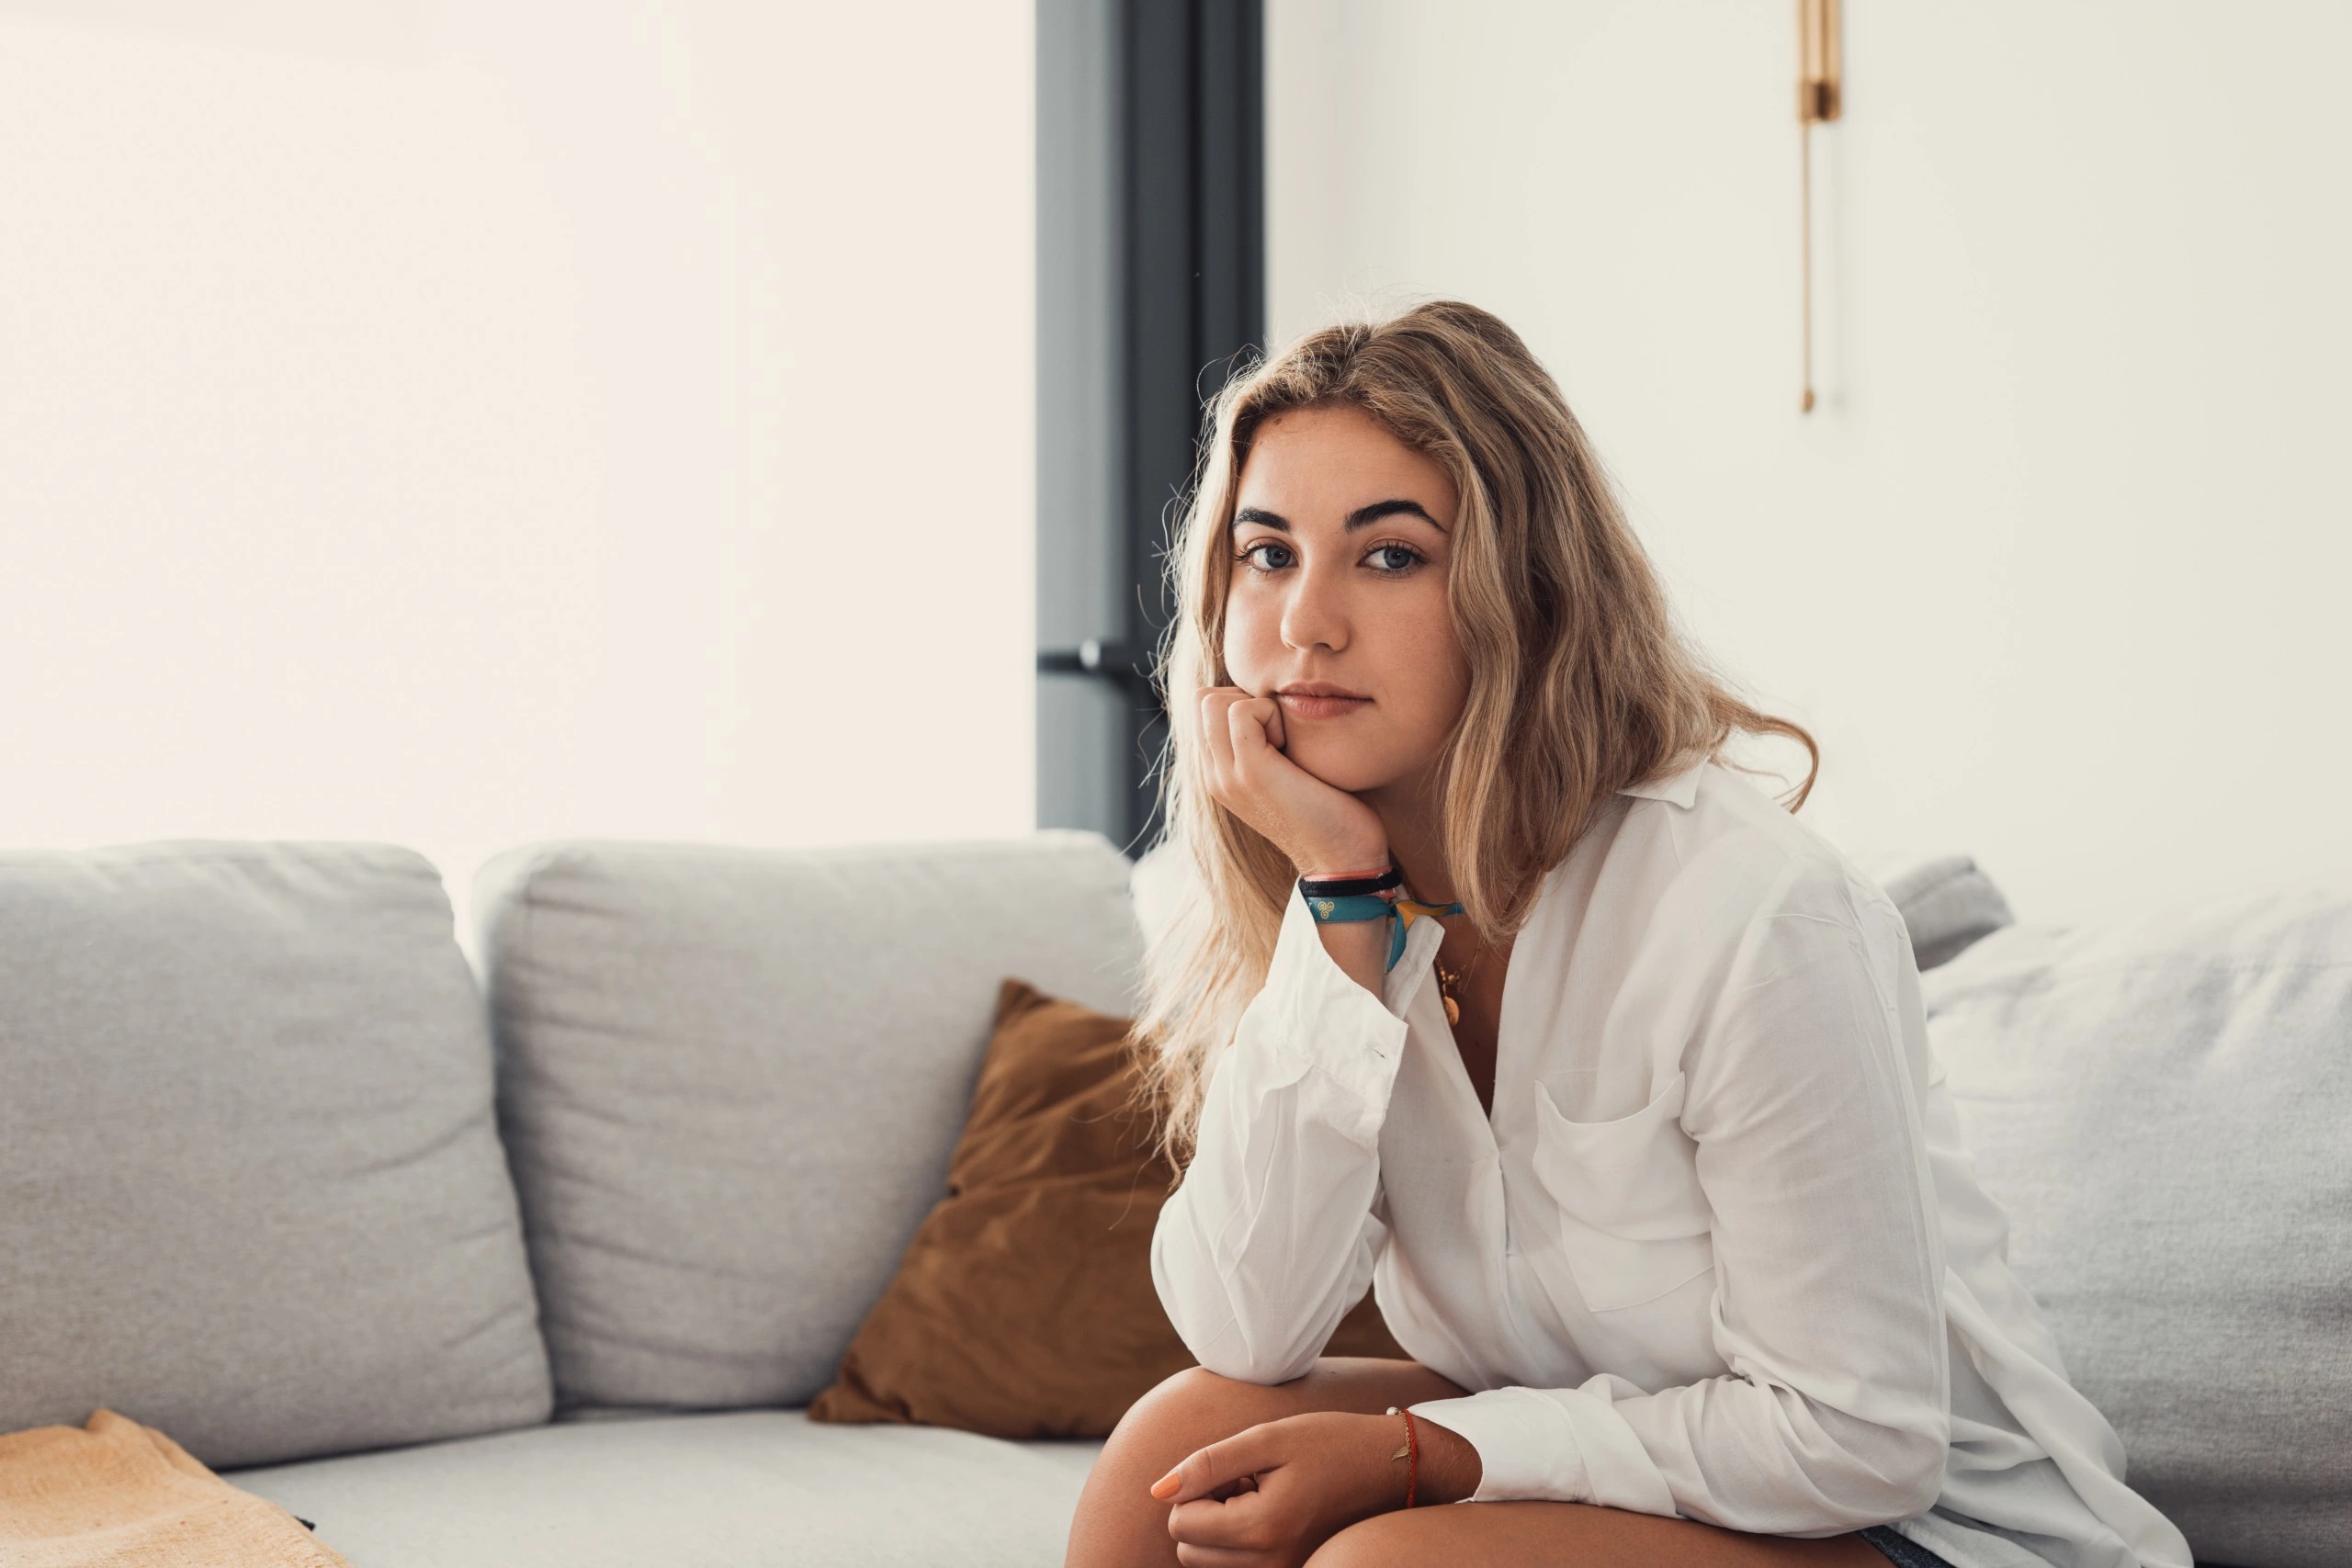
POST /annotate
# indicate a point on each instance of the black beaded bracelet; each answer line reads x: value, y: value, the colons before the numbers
x: 1352, y: 887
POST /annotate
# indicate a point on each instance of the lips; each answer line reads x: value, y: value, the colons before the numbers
x: 1320, y: 699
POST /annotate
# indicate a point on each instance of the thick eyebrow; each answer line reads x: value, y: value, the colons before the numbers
x: 1365, y: 516
x: 1361, y: 517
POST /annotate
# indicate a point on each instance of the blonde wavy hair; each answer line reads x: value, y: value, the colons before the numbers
x: 1579, y: 683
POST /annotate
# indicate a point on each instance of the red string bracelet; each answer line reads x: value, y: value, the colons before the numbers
x: 1411, y: 1451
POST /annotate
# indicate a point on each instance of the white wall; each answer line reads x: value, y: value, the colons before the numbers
x: 461, y: 425
x: 2060, y: 573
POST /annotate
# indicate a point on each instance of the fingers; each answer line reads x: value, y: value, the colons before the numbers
x: 1244, y: 1524
x: 1234, y: 722
x: 1190, y: 1556
x: 1310, y: 820
x: 1216, y: 733
x: 1254, y: 722
x: 1234, y: 732
x: 1202, y: 1471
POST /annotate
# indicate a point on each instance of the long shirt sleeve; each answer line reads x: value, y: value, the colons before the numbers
x: 1271, y: 1238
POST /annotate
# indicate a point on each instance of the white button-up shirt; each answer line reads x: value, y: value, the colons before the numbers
x: 1718, y: 1253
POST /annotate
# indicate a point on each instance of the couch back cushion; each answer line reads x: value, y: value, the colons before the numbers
x: 251, y: 1189
x: 2165, y: 1108
x: 730, y: 1080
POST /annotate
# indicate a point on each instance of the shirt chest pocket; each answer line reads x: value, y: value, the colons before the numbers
x: 1634, y: 1223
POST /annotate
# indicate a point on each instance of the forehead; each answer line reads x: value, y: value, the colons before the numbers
x: 1323, y: 463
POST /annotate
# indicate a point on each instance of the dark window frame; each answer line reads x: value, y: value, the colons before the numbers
x: 1181, y: 86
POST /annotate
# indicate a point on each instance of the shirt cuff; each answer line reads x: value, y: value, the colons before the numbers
x: 1562, y: 1445
x: 1526, y: 1448
x: 1314, y: 1016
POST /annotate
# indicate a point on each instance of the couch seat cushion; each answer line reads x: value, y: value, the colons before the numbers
x: 740, y: 1489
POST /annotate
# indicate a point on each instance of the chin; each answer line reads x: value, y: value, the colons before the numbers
x: 1342, y: 767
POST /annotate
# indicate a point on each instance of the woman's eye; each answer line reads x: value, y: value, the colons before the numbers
x: 1392, y: 557
x: 1268, y: 555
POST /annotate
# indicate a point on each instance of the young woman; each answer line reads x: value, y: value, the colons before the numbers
x: 1620, y: 1101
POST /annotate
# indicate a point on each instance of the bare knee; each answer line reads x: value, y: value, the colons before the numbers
x: 1118, y: 1522
x: 1193, y: 1408
x: 1198, y: 1388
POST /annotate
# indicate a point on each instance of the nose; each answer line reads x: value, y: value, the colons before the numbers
x: 1315, y: 615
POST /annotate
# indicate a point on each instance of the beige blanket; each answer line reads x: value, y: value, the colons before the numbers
x: 117, y: 1494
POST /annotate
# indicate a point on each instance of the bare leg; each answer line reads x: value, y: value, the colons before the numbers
x: 1120, y: 1525
x: 1572, y: 1535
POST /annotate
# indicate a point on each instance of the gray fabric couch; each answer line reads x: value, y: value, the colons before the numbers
x: 539, y: 1271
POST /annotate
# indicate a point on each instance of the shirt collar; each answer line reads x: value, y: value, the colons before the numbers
x: 1679, y: 787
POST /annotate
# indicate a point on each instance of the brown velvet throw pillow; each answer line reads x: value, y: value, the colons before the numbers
x: 1024, y: 1307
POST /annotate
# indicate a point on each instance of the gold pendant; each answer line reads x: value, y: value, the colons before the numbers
x: 1446, y: 980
